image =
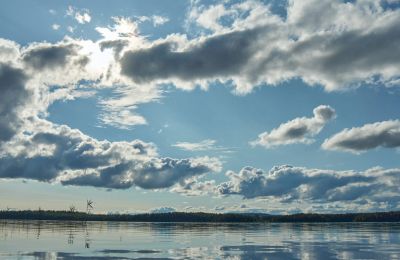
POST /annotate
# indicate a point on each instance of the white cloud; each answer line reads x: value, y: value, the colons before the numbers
x: 159, y: 20
x: 81, y: 16
x: 55, y: 27
x: 298, y: 130
x: 123, y: 28
x: 70, y: 29
x: 370, y: 136
x: 9, y: 51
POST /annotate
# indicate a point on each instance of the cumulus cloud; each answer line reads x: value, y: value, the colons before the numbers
x: 53, y: 153
x: 360, y: 139
x: 33, y: 77
x: 335, y: 44
x: 298, y: 130
x: 90, y: 65
x: 245, y: 46
x: 288, y: 184
x: 248, y: 45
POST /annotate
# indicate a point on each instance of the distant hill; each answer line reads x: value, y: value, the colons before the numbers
x: 393, y: 216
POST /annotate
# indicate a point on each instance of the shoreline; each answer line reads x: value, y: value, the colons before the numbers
x: 202, y: 217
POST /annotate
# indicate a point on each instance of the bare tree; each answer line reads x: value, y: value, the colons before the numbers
x: 72, y: 209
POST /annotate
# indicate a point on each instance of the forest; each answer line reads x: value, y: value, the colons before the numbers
x: 393, y: 216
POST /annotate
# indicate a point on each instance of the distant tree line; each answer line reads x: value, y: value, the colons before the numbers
x: 393, y: 216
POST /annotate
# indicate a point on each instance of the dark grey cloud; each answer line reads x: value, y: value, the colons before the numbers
x: 337, y: 60
x: 298, y: 130
x: 47, y: 56
x: 13, y: 97
x: 363, y: 51
x: 116, y: 45
x: 41, y: 168
x: 286, y: 184
x: 219, y: 56
x: 359, y: 139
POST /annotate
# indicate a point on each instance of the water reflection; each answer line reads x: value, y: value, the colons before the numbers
x: 118, y: 240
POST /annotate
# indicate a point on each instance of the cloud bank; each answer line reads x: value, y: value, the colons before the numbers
x: 54, y: 153
x: 290, y: 184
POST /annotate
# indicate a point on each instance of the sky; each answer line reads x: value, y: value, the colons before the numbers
x: 218, y: 106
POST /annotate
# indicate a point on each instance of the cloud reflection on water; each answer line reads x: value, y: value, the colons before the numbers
x: 117, y: 240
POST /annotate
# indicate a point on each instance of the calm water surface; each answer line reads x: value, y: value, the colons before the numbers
x: 116, y: 240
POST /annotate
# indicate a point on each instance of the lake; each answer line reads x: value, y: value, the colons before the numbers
x: 120, y: 240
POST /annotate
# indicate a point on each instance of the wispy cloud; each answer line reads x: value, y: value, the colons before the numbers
x: 204, y: 145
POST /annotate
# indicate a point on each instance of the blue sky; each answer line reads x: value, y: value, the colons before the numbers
x: 200, y: 105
